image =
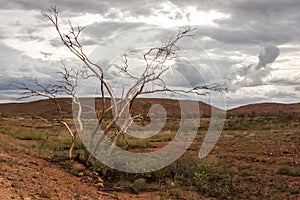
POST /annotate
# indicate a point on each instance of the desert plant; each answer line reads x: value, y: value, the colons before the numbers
x: 284, y: 170
x: 215, y: 180
x: 139, y: 185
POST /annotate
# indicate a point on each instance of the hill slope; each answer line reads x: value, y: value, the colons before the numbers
x: 266, y: 109
x: 48, y: 108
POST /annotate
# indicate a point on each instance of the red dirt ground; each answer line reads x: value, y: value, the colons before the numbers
x: 25, y: 175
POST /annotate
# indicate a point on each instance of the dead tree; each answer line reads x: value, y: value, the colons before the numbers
x: 154, y: 68
x: 65, y: 85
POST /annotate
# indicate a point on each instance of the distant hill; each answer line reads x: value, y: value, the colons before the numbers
x: 266, y: 109
x: 36, y: 108
x: 48, y: 108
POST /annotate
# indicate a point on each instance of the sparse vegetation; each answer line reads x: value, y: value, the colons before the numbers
x: 285, y: 170
x: 139, y: 185
x: 254, y: 163
x: 163, y: 136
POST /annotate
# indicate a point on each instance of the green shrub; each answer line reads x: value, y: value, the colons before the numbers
x: 29, y: 135
x: 163, y: 136
x: 215, y: 180
x: 139, y: 185
x: 284, y: 170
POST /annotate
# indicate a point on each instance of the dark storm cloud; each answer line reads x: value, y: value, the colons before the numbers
x: 267, y: 56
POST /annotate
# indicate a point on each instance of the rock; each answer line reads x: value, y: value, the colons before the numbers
x: 79, y: 167
x: 80, y: 174
x: 76, y: 168
x: 100, y: 182
x: 100, y: 185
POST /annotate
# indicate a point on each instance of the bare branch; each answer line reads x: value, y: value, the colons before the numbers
x: 67, y: 84
x: 155, y: 62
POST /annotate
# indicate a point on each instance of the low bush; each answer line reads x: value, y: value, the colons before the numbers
x: 284, y: 170
x: 215, y: 180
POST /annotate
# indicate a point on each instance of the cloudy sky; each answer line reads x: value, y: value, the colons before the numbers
x: 253, y: 44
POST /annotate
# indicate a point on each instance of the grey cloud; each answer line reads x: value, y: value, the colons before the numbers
x: 297, y: 88
x: 106, y: 29
x: 74, y: 5
x: 285, y: 80
x: 254, y: 22
x: 266, y: 9
x: 251, y: 24
x: 261, y: 97
x: 253, y: 75
x: 1, y: 34
x: 136, y: 7
x: 267, y: 56
x: 8, y: 95
x: 95, y: 31
x: 291, y: 49
x: 27, y: 30
x: 55, y: 42
x: 10, y: 58
x: 245, y: 8
x: 82, y: 6
x: 252, y: 34
x: 16, y: 67
x: 88, y: 42
x: 281, y: 95
x: 184, y: 75
x: 30, y: 38
x: 239, y: 101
